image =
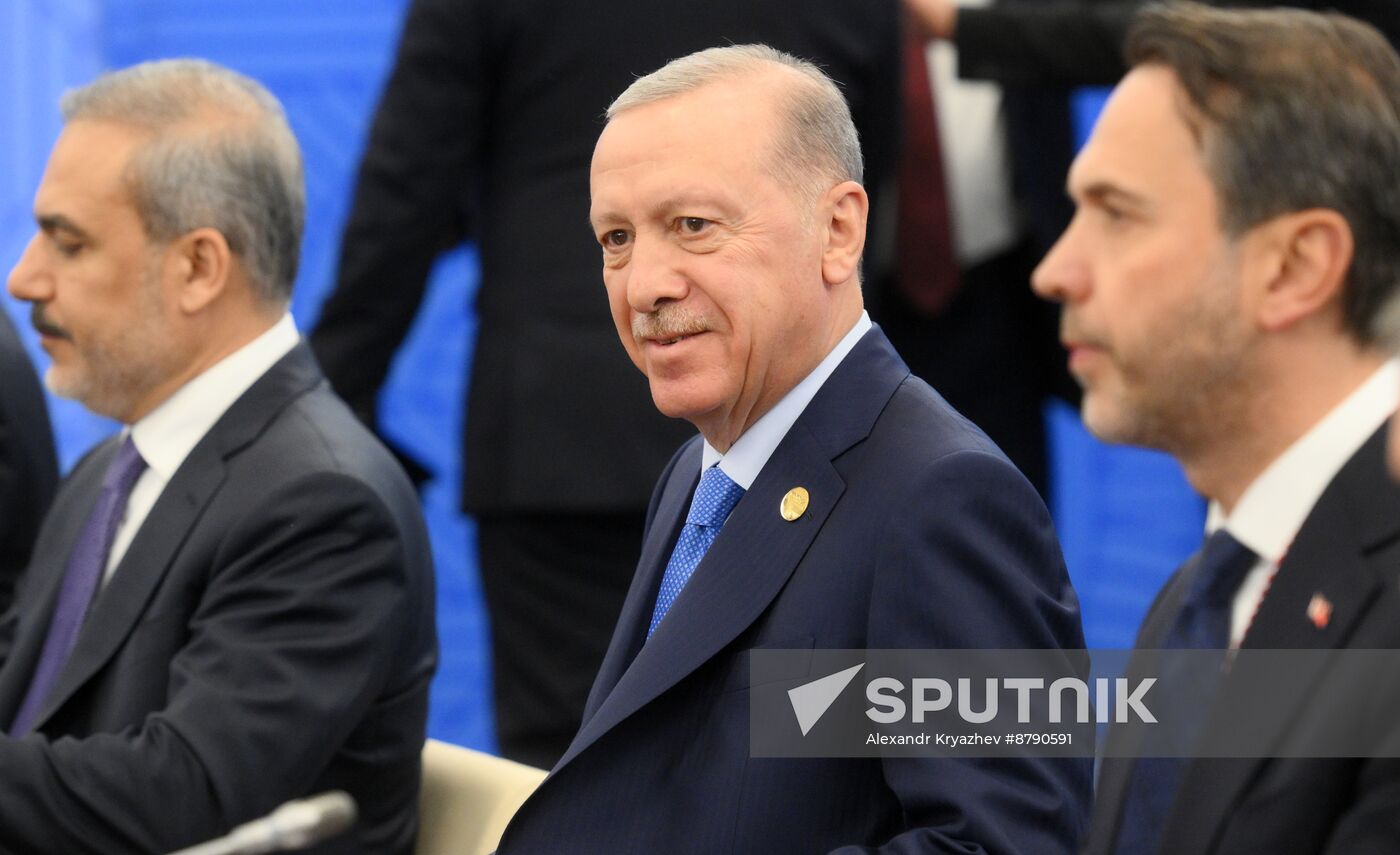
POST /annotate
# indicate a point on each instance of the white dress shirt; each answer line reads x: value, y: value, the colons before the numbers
x: 749, y: 453
x: 976, y: 157
x: 167, y: 434
x: 1273, y: 507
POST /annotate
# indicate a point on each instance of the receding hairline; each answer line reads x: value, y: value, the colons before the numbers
x: 792, y: 90
x: 777, y: 79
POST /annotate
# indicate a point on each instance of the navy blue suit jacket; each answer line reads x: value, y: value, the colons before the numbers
x: 920, y: 534
x: 1348, y: 551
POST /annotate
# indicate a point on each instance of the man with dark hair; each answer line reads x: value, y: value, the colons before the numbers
x: 1237, y: 228
x: 231, y: 602
x: 831, y: 500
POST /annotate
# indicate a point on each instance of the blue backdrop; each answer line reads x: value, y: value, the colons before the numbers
x: 1125, y: 517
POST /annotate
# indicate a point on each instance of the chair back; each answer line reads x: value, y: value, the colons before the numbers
x: 467, y: 799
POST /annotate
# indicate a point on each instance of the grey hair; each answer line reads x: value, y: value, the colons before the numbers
x: 819, y: 146
x: 222, y: 156
x: 1293, y: 110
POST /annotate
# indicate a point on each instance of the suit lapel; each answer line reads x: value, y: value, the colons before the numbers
x: 661, y: 538
x: 1358, y: 513
x: 48, y: 565
x: 121, y: 603
x: 756, y: 551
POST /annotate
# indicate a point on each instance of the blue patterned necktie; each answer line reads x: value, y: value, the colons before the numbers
x: 714, y: 498
x: 85, y: 569
x: 1203, y: 623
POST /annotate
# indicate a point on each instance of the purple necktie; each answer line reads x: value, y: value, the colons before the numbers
x: 85, y: 568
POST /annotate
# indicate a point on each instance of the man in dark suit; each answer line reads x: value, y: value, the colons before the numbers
x: 28, y: 465
x: 1049, y: 43
x: 1237, y: 227
x: 484, y: 132
x: 230, y: 603
x: 840, y: 502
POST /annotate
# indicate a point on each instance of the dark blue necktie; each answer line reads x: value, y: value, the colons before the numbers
x: 85, y: 568
x: 714, y: 498
x: 1202, y: 623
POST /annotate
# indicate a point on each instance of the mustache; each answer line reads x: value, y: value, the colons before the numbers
x: 668, y: 322
x: 44, y: 325
x: 1071, y: 331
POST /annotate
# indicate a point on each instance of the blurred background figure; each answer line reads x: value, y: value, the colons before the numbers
x: 1237, y: 231
x: 1003, y: 74
x: 485, y: 132
x: 1077, y: 42
x: 28, y: 465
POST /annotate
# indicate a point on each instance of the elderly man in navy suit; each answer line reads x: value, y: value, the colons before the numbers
x: 831, y: 500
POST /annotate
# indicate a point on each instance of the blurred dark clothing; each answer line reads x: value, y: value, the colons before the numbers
x: 1080, y: 42
x: 28, y: 464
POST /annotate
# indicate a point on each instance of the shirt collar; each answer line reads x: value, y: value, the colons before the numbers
x: 1273, y: 508
x: 749, y: 453
x: 166, y: 435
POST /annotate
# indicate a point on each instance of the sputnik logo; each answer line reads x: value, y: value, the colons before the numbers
x: 810, y: 701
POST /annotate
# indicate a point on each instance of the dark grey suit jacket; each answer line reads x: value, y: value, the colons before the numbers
x: 1348, y: 550
x: 269, y: 634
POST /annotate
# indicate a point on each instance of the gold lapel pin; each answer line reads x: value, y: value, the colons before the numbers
x: 1319, y: 611
x: 794, y: 504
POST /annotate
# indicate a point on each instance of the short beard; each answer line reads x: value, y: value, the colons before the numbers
x: 121, y: 369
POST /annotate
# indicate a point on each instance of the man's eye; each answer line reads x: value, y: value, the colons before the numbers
x: 615, y: 238
x: 67, y: 249
x: 694, y: 225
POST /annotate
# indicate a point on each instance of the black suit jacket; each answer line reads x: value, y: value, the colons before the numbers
x: 268, y: 634
x: 1348, y: 550
x: 28, y: 465
x: 920, y: 534
x: 486, y: 131
x: 1080, y: 42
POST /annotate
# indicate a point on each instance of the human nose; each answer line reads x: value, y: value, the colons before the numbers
x: 654, y: 277
x: 1063, y: 275
x: 26, y: 281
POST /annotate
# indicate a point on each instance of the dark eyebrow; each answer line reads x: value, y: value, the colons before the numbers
x: 1103, y: 191
x: 49, y: 223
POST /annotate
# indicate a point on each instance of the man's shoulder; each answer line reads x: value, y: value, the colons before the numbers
x: 316, y: 434
x: 919, y: 434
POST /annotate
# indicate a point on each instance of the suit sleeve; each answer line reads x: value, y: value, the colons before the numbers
x: 289, y: 645
x: 1053, y: 44
x: 410, y: 196
x: 978, y: 551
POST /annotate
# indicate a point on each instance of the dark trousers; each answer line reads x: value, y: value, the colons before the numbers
x: 554, y: 586
x: 993, y: 353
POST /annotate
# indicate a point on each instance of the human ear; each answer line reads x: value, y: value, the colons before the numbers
x: 202, y: 262
x: 1301, y: 264
x: 846, y: 207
